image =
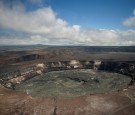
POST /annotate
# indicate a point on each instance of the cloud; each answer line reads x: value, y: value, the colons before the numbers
x: 39, y: 21
x: 45, y: 27
x: 130, y: 21
x: 86, y: 37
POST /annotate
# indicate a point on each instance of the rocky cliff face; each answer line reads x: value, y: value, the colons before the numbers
x: 17, y: 66
x: 20, y: 74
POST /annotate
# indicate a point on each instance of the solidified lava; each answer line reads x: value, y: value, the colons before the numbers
x: 73, y: 83
x: 98, y: 83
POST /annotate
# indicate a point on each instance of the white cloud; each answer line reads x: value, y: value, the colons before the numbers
x: 130, y: 21
x: 43, y: 26
x: 76, y: 27
x: 39, y: 21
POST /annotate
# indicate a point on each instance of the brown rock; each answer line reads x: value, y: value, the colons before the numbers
x: 18, y: 103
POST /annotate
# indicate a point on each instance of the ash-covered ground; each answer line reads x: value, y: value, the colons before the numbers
x: 67, y: 80
x: 73, y: 83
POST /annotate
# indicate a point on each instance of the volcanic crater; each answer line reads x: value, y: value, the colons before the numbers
x: 71, y: 78
x: 53, y: 83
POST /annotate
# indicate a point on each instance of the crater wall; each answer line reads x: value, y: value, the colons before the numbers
x: 9, y: 79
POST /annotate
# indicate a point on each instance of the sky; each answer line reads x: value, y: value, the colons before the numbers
x: 67, y: 22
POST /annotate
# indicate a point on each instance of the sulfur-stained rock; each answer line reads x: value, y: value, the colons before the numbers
x: 75, y: 64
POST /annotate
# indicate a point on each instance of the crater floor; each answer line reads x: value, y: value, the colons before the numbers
x: 73, y: 83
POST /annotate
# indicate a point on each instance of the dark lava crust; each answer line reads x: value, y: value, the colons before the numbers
x: 73, y: 83
x: 29, y: 69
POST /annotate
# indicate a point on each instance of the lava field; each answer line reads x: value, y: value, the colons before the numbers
x: 67, y: 80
